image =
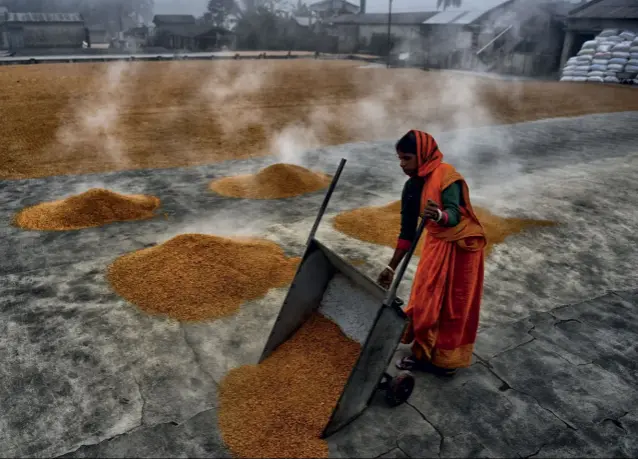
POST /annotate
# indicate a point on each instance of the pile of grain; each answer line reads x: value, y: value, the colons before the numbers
x: 280, y: 407
x: 95, y: 207
x: 199, y: 277
x: 273, y: 182
x: 381, y: 225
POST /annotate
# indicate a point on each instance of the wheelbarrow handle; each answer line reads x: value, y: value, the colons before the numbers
x: 392, y: 291
x: 326, y: 200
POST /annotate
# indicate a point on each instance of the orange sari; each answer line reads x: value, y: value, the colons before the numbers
x: 448, y: 285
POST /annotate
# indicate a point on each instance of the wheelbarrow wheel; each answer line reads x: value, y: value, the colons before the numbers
x: 400, y: 388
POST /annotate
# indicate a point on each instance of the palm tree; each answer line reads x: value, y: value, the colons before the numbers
x: 448, y: 3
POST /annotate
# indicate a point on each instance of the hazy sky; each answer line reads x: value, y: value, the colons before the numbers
x: 197, y: 7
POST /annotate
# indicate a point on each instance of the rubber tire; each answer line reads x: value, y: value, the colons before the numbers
x: 400, y: 389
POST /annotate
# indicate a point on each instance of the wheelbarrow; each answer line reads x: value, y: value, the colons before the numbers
x: 388, y: 322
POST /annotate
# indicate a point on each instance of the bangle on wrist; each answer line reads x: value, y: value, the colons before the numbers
x: 440, y: 217
x: 391, y: 270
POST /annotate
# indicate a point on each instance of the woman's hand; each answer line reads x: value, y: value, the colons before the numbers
x: 385, y: 278
x: 431, y: 211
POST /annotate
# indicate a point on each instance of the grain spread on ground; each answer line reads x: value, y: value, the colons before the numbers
x: 280, y: 407
x: 97, y: 117
x: 381, y: 225
x: 96, y: 207
x: 195, y: 277
x: 273, y: 182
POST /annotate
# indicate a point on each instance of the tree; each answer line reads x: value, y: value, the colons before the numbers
x: 221, y: 10
x: 448, y: 3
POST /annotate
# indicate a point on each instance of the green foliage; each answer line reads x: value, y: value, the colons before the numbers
x: 221, y: 9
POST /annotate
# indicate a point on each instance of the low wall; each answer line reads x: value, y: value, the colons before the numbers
x: 27, y: 60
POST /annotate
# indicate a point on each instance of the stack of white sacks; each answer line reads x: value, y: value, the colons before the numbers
x: 599, y: 60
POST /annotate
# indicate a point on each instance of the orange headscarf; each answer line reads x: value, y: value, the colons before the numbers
x: 428, y: 154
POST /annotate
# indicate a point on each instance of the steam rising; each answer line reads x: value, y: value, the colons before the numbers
x: 96, y: 119
x: 234, y: 97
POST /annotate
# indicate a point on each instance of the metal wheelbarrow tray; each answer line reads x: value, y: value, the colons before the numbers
x: 317, y: 268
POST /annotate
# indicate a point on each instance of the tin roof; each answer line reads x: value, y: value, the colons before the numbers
x: 382, y: 18
x: 332, y: 4
x: 192, y: 30
x: 44, y: 17
x: 303, y: 21
x: 463, y: 17
x: 174, y: 18
x: 607, y: 9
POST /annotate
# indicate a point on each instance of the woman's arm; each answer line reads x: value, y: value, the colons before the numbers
x: 451, y: 202
x: 410, y: 206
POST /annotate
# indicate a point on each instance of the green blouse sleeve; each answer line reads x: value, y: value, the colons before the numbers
x: 451, y: 201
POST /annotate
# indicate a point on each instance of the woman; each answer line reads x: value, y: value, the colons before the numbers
x: 448, y: 284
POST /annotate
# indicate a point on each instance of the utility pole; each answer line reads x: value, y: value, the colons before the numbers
x: 389, y: 29
x: 119, y: 17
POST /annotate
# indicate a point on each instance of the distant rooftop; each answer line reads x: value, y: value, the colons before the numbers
x: 456, y: 17
x: 333, y: 4
x: 193, y: 30
x: 607, y: 9
x: 44, y: 17
x: 382, y: 18
x: 174, y: 18
x: 303, y: 20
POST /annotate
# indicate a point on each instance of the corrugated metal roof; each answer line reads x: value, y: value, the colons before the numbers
x: 469, y: 17
x: 44, y: 17
x: 174, y: 18
x: 191, y: 30
x: 464, y: 17
x: 382, y: 18
x: 336, y: 4
x: 607, y: 9
x: 303, y: 21
x: 444, y: 17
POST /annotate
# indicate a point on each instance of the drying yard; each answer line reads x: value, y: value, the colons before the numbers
x: 154, y: 213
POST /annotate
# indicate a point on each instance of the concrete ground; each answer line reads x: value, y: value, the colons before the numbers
x: 85, y: 374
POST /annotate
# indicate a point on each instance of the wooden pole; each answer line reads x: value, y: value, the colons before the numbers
x: 389, y: 29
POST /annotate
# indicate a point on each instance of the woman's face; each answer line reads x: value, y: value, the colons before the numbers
x: 409, y: 163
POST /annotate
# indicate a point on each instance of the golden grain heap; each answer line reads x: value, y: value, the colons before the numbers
x: 279, y: 408
x: 274, y: 182
x: 95, y: 207
x: 198, y: 277
x: 381, y: 225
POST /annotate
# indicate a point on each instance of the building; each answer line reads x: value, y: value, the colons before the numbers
x: 369, y: 31
x: 521, y: 37
x: 185, y: 33
x: 330, y: 8
x: 42, y: 30
x: 98, y: 37
x: 588, y: 20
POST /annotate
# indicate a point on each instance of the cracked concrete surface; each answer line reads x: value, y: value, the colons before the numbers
x: 85, y: 374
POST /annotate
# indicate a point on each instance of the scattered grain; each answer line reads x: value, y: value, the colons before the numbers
x: 166, y: 98
x: 95, y: 207
x: 273, y: 182
x: 280, y: 407
x: 381, y: 225
x: 197, y: 277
